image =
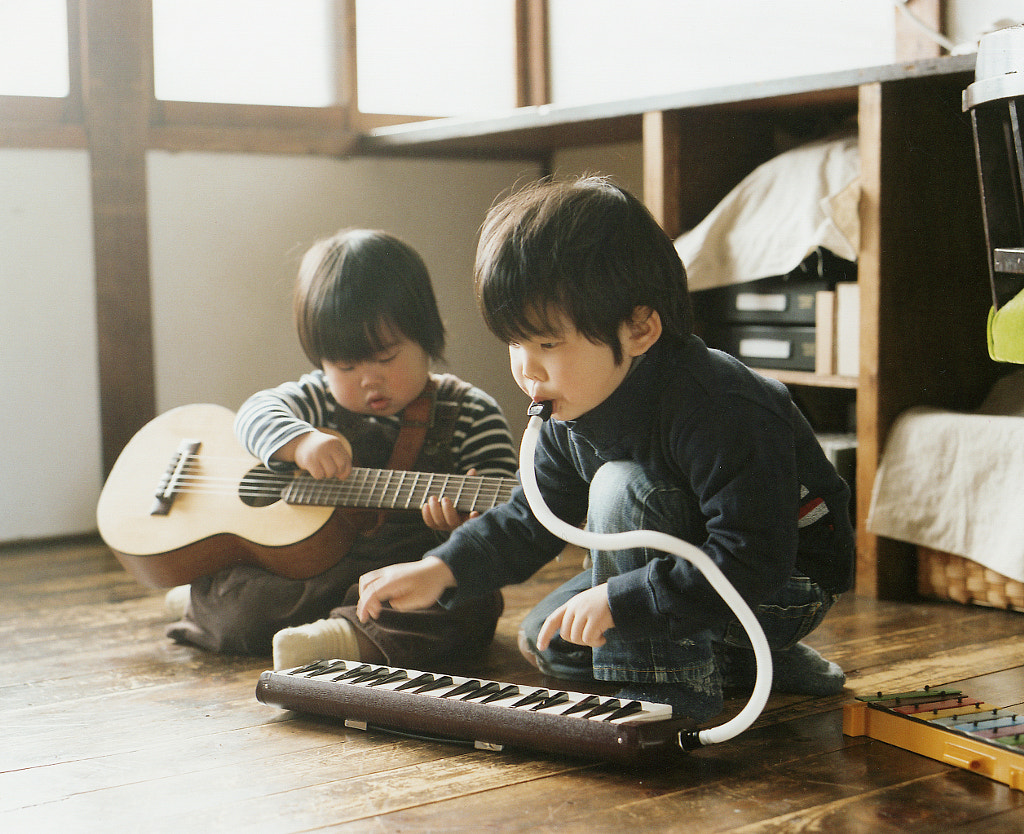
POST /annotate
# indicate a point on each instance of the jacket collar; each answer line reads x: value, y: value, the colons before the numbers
x: 613, y: 425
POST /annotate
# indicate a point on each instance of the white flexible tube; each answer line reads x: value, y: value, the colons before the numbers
x: 677, y: 547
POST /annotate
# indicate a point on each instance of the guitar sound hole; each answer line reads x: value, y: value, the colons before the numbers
x: 260, y: 487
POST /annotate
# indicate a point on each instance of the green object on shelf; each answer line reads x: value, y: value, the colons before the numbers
x: 1006, y: 331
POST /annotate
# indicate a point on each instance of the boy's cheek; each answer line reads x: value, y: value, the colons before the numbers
x: 519, y: 379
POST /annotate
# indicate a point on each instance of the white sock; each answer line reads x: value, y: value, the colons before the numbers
x: 331, y: 639
x: 176, y: 601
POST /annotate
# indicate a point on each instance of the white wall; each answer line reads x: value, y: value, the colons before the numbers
x: 227, y: 233
x: 622, y: 161
x: 49, y: 411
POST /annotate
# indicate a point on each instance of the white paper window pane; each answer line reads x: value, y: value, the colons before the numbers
x: 605, y: 50
x: 245, y: 51
x: 435, y: 57
x: 33, y: 48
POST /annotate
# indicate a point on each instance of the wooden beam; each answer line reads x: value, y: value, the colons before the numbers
x: 869, y: 442
x: 661, y: 169
x: 346, y: 57
x: 250, y: 128
x: 117, y: 90
x: 73, y: 102
x: 533, y: 78
x: 924, y: 286
x: 37, y: 122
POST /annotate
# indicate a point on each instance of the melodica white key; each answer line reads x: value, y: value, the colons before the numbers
x: 509, y: 696
x: 489, y: 714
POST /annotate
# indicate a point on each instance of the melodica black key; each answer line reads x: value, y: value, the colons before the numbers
x: 490, y: 715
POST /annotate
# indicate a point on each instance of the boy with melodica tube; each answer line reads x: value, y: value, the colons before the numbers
x: 650, y: 429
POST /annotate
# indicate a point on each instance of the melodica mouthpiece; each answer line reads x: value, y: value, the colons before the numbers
x: 540, y: 409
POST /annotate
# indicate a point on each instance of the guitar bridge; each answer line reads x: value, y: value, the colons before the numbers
x: 170, y: 481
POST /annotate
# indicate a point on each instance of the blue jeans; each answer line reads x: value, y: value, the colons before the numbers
x: 622, y: 498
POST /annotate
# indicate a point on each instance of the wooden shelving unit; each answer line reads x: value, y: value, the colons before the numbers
x: 810, y: 379
x: 922, y: 262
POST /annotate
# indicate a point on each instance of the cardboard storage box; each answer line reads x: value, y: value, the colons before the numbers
x: 785, y: 348
x: 767, y: 301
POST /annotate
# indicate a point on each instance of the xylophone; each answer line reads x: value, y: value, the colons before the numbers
x: 945, y: 725
x: 488, y: 714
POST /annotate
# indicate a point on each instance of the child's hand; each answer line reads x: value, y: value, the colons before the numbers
x: 582, y: 620
x: 440, y: 514
x: 407, y: 586
x: 323, y: 455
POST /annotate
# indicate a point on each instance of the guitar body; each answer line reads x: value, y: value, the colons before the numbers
x: 204, y: 531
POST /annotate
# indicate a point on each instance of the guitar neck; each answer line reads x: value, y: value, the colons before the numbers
x: 389, y: 489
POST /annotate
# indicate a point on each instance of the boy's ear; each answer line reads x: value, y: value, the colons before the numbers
x: 644, y: 329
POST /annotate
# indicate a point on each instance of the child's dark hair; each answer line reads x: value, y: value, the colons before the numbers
x: 357, y: 288
x: 586, y: 248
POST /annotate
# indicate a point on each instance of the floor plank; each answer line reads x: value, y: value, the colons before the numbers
x: 107, y: 725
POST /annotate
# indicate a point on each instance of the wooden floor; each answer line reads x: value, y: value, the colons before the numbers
x: 106, y: 726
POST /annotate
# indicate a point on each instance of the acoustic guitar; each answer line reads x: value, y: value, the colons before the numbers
x: 184, y: 500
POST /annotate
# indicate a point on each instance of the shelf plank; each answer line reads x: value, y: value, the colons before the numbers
x: 809, y: 378
x: 526, y: 131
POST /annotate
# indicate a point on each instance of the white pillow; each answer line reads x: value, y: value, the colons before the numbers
x: 785, y: 209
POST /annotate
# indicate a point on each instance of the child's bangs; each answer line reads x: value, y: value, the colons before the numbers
x: 516, y: 318
x: 349, y: 339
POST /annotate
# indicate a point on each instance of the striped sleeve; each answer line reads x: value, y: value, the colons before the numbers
x: 482, y: 439
x: 270, y: 419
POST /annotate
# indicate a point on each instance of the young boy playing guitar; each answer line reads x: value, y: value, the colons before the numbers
x: 368, y: 321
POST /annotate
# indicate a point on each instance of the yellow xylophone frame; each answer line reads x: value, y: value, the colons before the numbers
x: 999, y: 762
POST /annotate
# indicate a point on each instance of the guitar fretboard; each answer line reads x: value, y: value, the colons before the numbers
x: 389, y: 489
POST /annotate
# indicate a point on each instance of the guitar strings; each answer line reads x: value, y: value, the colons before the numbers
x: 361, y: 481
x: 379, y: 489
x: 314, y: 492
x: 265, y: 481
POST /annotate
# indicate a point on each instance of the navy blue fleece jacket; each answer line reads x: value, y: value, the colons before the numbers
x: 744, y: 458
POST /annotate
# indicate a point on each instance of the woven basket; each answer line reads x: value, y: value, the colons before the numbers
x: 947, y: 576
